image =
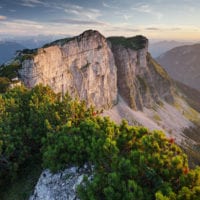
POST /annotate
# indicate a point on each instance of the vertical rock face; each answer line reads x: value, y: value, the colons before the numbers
x: 83, y: 66
x: 140, y: 80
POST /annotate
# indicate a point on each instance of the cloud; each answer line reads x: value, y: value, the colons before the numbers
x: 78, y: 22
x: 145, y: 8
x: 60, y: 26
x: 31, y: 3
x: 131, y: 29
x: 119, y: 29
x: 79, y: 11
x: 26, y: 27
x: 106, y: 5
x: 162, y: 28
x: 21, y: 25
x: 73, y: 9
x: 152, y: 29
x: 127, y: 17
x: 2, y: 17
x: 176, y: 29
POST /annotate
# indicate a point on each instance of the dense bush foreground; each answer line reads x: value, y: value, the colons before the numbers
x: 127, y: 162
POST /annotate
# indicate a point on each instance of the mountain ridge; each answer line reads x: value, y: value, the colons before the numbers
x: 183, y: 64
x: 86, y: 58
x: 158, y: 48
x: 8, y: 50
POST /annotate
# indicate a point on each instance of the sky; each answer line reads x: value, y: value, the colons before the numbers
x: 156, y: 19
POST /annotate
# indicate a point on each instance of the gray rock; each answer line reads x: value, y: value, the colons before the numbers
x: 59, y: 186
x: 91, y: 68
x: 83, y: 66
x: 141, y: 81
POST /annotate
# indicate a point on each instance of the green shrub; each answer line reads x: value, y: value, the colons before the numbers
x: 60, y: 42
x: 128, y: 162
x: 10, y: 71
x: 125, y: 162
x: 4, y: 84
x: 135, y: 43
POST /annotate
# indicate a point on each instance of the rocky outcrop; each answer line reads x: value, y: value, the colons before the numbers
x: 59, y: 186
x: 96, y: 69
x: 83, y: 66
x: 140, y: 80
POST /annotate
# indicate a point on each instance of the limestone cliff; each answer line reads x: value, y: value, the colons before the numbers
x: 97, y: 69
x: 140, y: 80
x: 83, y: 66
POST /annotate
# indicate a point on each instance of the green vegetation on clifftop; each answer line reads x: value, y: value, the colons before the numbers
x: 135, y: 43
x: 10, y: 71
x: 60, y: 42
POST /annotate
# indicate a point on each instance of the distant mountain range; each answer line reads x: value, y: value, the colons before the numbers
x: 183, y: 64
x: 158, y: 48
x: 32, y: 42
x: 192, y: 96
x: 8, y: 50
x: 9, y: 46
